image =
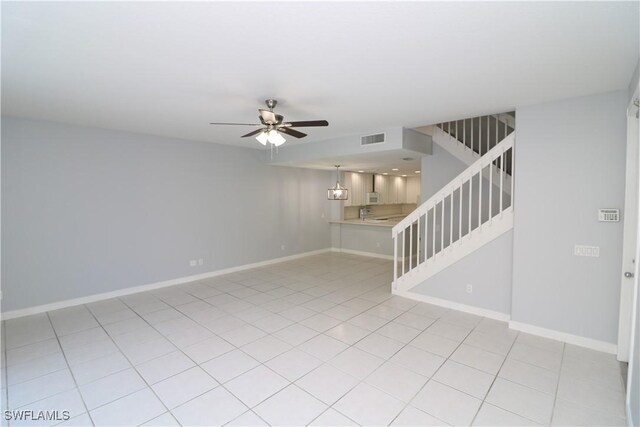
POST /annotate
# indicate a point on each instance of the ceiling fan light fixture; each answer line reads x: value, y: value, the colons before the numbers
x: 272, y: 126
x: 337, y: 192
x: 276, y: 138
x: 262, y: 138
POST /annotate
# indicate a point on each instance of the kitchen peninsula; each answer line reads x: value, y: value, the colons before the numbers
x: 371, y: 235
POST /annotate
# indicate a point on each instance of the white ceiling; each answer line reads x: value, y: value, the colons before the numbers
x: 383, y: 162
x: 169, y: 68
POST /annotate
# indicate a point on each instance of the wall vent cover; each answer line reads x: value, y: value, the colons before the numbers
x: 377, y: 138
x: 609, y: 215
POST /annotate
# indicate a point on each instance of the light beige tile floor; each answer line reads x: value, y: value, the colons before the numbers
x: 318, y: 341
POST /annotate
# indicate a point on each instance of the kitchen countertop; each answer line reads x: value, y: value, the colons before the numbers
x: 374, y: 222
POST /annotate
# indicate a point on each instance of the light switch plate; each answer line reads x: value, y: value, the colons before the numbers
x: 590, y: 251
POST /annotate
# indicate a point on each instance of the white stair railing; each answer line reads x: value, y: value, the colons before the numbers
x: 478, y: 134
x: 475, y: 203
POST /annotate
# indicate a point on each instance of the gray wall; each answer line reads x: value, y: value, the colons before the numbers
x: 570, y: 161
x: 437, y: 170
x: 634, y: 82
x: 86, y: 211
x: 488, y: 270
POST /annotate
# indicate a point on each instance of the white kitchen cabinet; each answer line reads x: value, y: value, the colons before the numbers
x: 401, y: 190
x: 392, y: 189
x: 367, y: 183
x: 413, y: 190
x: 382, y: 188
x: 358, y: 185
x: 347, y: 183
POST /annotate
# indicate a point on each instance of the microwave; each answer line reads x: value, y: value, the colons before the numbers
x: 372, y: 198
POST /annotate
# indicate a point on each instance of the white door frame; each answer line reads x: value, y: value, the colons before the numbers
x: 631, y: 240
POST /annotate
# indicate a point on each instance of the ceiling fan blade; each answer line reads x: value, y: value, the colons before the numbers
x: 268, y: 117
x: 255, y: 132
x: 292, y: 132
x: 236, y: 124
x: 307, y: 123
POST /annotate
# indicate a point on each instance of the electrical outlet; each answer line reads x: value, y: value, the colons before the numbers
x: 192, y: 263
x: 469, y: 289
x: 322, y: 215
x: 588, y: 251
x: 200, y: 261
x: 282, y: 247
x: 377, y: 244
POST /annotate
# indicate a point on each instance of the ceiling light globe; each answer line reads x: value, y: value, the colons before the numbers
x: 262, y: 138
x: 276, y: 138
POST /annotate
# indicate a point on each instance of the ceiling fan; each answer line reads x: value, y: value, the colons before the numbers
x: 273, y: 126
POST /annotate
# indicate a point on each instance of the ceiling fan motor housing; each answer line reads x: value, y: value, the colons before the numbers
x: 271, y: 103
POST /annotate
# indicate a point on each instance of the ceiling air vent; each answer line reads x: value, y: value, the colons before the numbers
x: 377, y: 138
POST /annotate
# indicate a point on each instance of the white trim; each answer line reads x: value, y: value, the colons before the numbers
x: 491, y: 314
x: 362, y: 253
x: 523, y: 327
x: 563, y: 336
x: 149, y: 287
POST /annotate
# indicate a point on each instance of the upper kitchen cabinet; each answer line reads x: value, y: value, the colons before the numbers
x: 392, y: 189
x: 413, y: 190
x: 382, y: 188
x: 358, y: 185
x: 401, y: 189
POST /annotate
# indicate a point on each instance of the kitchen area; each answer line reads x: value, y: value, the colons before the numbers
x: 381, y: 173
x: 377, y: 201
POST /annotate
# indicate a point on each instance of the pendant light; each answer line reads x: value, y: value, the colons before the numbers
x: 337, y: 192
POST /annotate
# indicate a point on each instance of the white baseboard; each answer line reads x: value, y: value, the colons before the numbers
x: 496, y: 315
x: 523, y: 327
x: 563, y: 336
x: 362, y: 253
x: 149, y: 287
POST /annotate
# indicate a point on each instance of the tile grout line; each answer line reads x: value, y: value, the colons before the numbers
x: 132, y: 366
x: 69, y: 368
x: 250, y: 408
x: 484, y: 399
x: 437, y: 370
x: 555, y: 400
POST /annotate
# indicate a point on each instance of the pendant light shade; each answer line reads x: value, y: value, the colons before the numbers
x: 337, y: 192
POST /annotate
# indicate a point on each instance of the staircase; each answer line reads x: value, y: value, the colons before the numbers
x: 470, y: 211
x: 470, y: 139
